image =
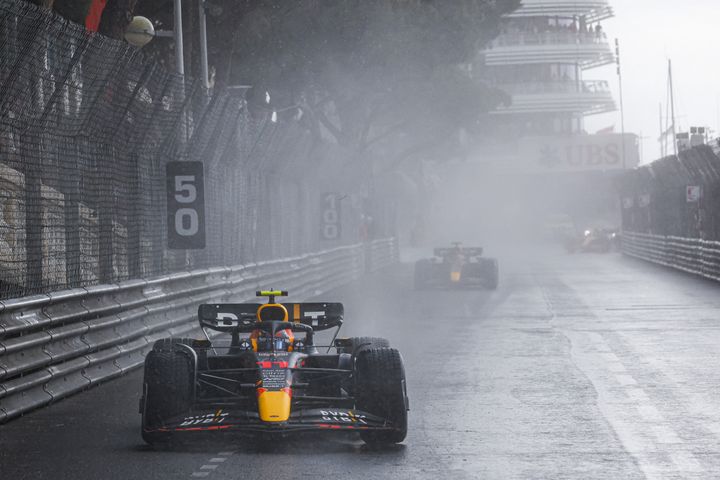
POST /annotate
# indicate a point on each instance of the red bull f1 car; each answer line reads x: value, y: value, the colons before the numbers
x: 457, y: 267
x: 597, y: 240
x: 269, y: 377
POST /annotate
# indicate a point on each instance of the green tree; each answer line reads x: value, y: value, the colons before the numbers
x: 371, y: 73
x: 382, y: 78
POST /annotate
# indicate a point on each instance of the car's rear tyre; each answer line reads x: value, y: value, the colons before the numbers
x: 166, y: 344
x: 357, y: 344
x: 492, y: 273
x: 380, y: 390
x: 168, y: 388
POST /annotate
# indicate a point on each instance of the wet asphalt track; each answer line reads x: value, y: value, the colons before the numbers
x: 577, y: 367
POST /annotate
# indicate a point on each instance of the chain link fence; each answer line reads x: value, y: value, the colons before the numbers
x: 87, y: 125
x: 676, y: 196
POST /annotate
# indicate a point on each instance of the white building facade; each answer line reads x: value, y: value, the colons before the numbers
x: 543, y: 59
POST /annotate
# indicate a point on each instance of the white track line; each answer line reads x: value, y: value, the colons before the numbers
x: 212, y: 464
x: 626, y: 380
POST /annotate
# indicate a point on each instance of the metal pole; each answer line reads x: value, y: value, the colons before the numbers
x: 178, y: 32
x: 662, y: 139
x: 203, y: 45
x: 180, y: 60
x: 622, y: 105
x: 672, y: 107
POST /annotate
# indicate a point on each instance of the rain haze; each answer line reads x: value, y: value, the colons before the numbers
x: 378, y: 239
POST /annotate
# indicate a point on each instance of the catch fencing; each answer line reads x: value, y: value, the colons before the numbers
x: 675, y: 196
x: 54, y: 345
x: 87, y: 125
x: 671, y: 212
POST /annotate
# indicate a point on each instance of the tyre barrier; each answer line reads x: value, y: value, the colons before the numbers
x: 54, y: 345
x: 690, y: 255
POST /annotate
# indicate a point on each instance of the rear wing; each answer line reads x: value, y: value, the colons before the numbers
x: 241, y: 317
x: 467, y: 251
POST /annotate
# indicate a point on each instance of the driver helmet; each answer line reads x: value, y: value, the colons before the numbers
x: 263, y: 341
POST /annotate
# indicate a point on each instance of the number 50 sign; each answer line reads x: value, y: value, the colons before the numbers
x: 186, y: 205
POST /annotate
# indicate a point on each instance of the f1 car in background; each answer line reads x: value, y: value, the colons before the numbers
x: 597, y: 240
x: 265, y: 379
x: 457, y: 266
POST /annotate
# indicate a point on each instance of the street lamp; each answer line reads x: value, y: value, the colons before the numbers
x: 139, y: 32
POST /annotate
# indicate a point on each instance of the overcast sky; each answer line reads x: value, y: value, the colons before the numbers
x: 650, y: 33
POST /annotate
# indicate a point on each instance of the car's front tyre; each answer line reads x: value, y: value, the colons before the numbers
x: 380, y: 389
x: 167, y: 388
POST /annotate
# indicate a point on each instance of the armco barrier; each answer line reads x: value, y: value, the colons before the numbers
x: 691, y: 255
x: 54, y: 345
x: 382, y: 252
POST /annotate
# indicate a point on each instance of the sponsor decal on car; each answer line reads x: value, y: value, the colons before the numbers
x: 341, y: 416
x: 210, y: 418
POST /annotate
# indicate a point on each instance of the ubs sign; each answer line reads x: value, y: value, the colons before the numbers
x: 578, y: 153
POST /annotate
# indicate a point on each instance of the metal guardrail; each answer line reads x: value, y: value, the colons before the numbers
x: 54, y: 345
x: 691, y: 255
x: 381, y: 253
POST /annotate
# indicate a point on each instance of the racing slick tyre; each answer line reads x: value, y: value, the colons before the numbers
x: 492, y: 274
x: 166, y: 344
x: 168, y: 388
x: 357, y: 344
x: 380, y: 390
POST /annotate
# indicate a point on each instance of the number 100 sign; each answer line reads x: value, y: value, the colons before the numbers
x: 185, y: 205
x: 331, y: 221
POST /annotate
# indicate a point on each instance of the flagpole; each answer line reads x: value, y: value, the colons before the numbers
x: 662, y: 139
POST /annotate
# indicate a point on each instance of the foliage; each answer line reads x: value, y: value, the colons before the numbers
x: 385, y: 75
x: 370, y: 72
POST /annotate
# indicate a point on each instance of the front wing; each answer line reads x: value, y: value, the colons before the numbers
x: 248, y: 421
